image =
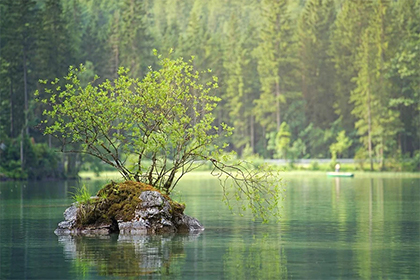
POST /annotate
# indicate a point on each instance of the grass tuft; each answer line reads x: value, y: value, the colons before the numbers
x: 82, y: 195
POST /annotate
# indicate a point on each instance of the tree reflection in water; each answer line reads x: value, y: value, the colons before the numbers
x: 126, y: 255
x: 256, y: 259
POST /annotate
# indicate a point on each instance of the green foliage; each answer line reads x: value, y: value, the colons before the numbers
x: 316, y: 67
x: 275, y: 63
x: 95, y: 165
x: 282, y: 141
x: 82, y: 195
x: 165, y: 118
x: 314, y: 165
x: 155, y: 130
x: 308, y: 63
x: 41, y: 162
x: 340, y: 147
x: 346, y: 34
x: 377, y: 122
x: 298, y: 150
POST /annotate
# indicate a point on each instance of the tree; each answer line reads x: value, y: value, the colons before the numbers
x: 239, y: 83
x: 155, y: 130
x: 95, y: 46
x: 377, y: 122
x: 352, y: 20
x: 275, y: 63
x: 405, y: 73
x: 316, y: 67
x: 54, y: 44
x: 19, y: 28
x: 135, y: 49
x: 283, y: 141
x: 54, y: 53
x: 341, y: 146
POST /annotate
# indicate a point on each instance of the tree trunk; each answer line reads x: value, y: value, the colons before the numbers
x: 278, y: 116
x: 370, y: 133
x: 22, y: 158
x: 252, y: 137
x: 11, y: 109
x: 25, y: 87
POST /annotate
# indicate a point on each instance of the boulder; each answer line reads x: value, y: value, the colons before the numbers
x: 129, y: 208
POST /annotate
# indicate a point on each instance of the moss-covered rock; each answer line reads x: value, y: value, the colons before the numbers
x: 127, y: 208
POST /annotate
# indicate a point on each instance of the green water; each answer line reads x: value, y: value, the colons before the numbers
x: 332, y: 228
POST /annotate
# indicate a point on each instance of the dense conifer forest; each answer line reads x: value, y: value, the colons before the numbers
x: 298, y: 79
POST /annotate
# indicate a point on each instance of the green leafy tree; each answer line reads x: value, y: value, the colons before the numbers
x: 279, y: 142
x: 316, y: 141
x: 298, y: 150
x: 155, y: 131
x: 340, y: 147
x: 283, y: 141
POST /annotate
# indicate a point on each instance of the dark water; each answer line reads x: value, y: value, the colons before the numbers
x: 345, y: 228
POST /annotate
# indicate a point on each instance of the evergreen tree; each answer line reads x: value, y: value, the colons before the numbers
x: 55, y: 54
x: 405, y: 73
x: 377, y: 122
x: 275, y: 62
x: 197, y: 40
x: 239, y: 82
x: 282, y: 141
x: 74, y: 21
x: 135, y: 49
x: 95, y: 47
x: 316, y: 67
x: 19, y: 30
x: 349, y: 26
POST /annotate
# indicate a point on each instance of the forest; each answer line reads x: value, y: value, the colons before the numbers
x: 301, y: 79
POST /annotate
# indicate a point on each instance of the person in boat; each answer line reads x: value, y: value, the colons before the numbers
x: 337, y: 167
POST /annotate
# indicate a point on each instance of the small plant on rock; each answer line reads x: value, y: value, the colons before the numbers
x: 82, y: 195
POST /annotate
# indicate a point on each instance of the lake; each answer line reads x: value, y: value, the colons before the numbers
x: 331, y: 228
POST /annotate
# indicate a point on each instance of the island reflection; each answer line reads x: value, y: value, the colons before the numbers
x: 126, y: 255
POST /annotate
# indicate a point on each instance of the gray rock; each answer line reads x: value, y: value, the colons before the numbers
x: 188, y: 224
x: 69, y: 223
x: 154, y: 214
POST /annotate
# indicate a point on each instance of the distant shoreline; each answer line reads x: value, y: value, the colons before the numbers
x: 114, y: 175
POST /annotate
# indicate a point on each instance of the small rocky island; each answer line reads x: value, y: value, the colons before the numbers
x: 127, y: 208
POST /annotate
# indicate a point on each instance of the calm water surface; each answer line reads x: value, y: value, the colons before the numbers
x: 347, y: 228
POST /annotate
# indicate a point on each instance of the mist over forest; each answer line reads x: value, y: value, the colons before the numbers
x: 298, y: 79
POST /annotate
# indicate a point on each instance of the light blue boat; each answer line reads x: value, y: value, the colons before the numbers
x: 340, y: 174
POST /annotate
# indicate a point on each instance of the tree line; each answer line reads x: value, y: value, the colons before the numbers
x: 298, y: 79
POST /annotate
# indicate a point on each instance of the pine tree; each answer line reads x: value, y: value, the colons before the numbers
x: 95, y: 48
x: 135, y: 49
x: 239, y: 81
x: 405, y: 73
x: 275, y: 62
x: 316, y: 67
x: 19, y: 33
x: 349, y: 26
x: 73, y: 19
x: 377, y: 122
